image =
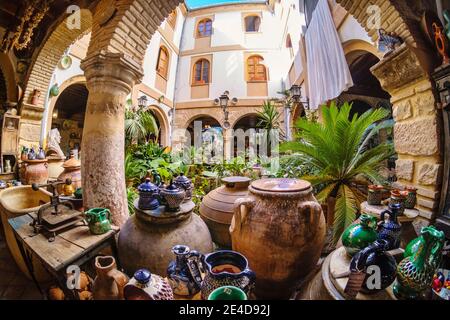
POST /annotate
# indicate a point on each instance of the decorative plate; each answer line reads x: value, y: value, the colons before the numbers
x: 65, y: 62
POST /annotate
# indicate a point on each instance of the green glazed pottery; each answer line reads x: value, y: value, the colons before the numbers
x: 54, y: 90
x: 98, y: 220
x: 415, y: 272
x: 358, y: 236
x: 227, y: 293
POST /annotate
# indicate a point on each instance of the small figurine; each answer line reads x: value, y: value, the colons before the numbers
x: 388, y: 41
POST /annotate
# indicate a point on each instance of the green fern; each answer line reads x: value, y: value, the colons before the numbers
x: 338, y: 150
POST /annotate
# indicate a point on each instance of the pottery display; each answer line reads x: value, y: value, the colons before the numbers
x: 186, y: 184
x: 227, y: 293
x: 181, y: 273
x: 72, y: 171
x: 398, y: 197
x: 226, y: 268
x: 375, y: 255
x: 280, y: 228
x: 358, y: 236
x: 217, y: 208
x: 173, y: 196
x: 148, y: 195
x: 390, y: 230
x: 375, y: 195
x: 98, y: 220
x: 147, y: 238
x: 109, y: 283
x: 415, y: 272
x: 54, y: 90
x: 34, y: 171
x: 411, y: 198
x: 147, y: 286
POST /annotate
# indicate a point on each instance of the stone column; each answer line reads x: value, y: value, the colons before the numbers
x: 416, y: 130
x: 110, y: 78
x: 287, y: 122
x: 227, y: 144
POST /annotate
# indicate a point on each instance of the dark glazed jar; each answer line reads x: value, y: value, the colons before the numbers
x: 148, y: 196
x: 390, y: 230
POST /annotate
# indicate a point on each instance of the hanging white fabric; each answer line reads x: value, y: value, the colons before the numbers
x: 327, y: 68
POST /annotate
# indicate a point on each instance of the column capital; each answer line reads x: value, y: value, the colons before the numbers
x: 114, y: 68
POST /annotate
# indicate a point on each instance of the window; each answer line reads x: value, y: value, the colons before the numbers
x: 172, y: 19
x: 252, y: 23
x: 162, y: 66
x: 204, y: 28
x: 256, y: 71
x: 201, y: 72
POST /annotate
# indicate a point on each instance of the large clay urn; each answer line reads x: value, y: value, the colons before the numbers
x: 280, y: 228
x: 147, y: 238
x: 217, y: 208
x: 34, y: 171
x: 72, y: 170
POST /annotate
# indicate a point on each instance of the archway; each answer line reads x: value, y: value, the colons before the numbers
x: 68, y: 116
x: 163, y: 125
x: 9, y: 89
x: 114, y: 65
x: 241, y: 136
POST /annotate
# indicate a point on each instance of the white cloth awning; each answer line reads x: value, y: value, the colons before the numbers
x: 327, y: 68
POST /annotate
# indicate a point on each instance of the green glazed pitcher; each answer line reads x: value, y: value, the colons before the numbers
x: 358, y: 236
x: 98, y: 220
x: 227, y: 293
x: 415, y: 272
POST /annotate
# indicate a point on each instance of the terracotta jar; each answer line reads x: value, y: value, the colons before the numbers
x: 147, y: 238
x: 109, y: 283
x: 35, y: 97
x: 280, y: 228
x: 375, y: 195
x: 34, y: 171
x: 217, y: 208
x: 72, y: 170
x: 398, y: 197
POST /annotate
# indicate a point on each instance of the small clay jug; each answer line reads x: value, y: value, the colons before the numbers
x: 375, y: 255
x: 41, y: 154
x: 390, y: 230
x: 109, y: 283
x: 32, y: 154
x: 98, y: 220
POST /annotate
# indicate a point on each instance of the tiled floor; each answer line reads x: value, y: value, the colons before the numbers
x: 13, y: 284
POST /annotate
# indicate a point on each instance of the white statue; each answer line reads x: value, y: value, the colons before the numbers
x: 53, y: 141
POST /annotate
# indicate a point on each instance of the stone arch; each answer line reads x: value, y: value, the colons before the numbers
x: 50, y: 54
x: 8, y: 72
x: 199, y: 114
x: 356, y: 45
x: 241, y: 116
x: 164, y: 124
x: 46, y: 123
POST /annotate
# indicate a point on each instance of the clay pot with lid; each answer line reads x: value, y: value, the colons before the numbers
x: 72, y: 170
x: 280, y: 228
x: 217, y: 208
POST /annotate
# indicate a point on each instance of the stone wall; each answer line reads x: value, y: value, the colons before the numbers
x: 416, y: 130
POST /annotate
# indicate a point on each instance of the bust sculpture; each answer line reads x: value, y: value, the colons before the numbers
x: 54, y: 139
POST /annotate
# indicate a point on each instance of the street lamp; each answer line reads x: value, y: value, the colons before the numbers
x: 142, y: 102
x: 296, y: 93
x: 223, y: 101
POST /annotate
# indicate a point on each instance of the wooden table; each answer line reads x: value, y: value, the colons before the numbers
x: 72, y: 247
x: 406, y: 220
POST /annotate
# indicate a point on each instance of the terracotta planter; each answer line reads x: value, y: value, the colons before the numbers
x: 217, y: 208
x: 147, y: 238
x: 34, y: 171
x: 109, y: 283
x: 72, y: 170
x: 280, y: 228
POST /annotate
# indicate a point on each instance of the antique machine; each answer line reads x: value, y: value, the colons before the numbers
x: 56, y: 215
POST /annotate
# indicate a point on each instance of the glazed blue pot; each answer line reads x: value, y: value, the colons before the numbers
x: 148, y: 196
x: 390, y: 230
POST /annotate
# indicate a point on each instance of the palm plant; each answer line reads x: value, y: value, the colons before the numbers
x: 139, y: 125
x: 338, y: 150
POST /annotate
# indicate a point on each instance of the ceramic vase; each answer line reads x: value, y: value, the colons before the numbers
x: 390, y: 229
x: 375, y: 255
x: 109, y: 283
x: 375, y: 195
x: 358, y: 236
x: 147, y: 286
x: 186, y: 184
x: 181, y: 272
x: 98, y: 220
x: 415, y: 272
x: 173, y: 196
x: 411, y: 198
x: 398, y: 197
x: 148, y: 195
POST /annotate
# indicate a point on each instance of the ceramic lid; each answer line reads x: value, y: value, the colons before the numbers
x: 142, y: 276
x: 182, y: 179
x: 72, y: 163
x: 281, y: 185
x: 147, y: 186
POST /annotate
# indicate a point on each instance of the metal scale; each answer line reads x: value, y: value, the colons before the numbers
x: 56, y: 215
